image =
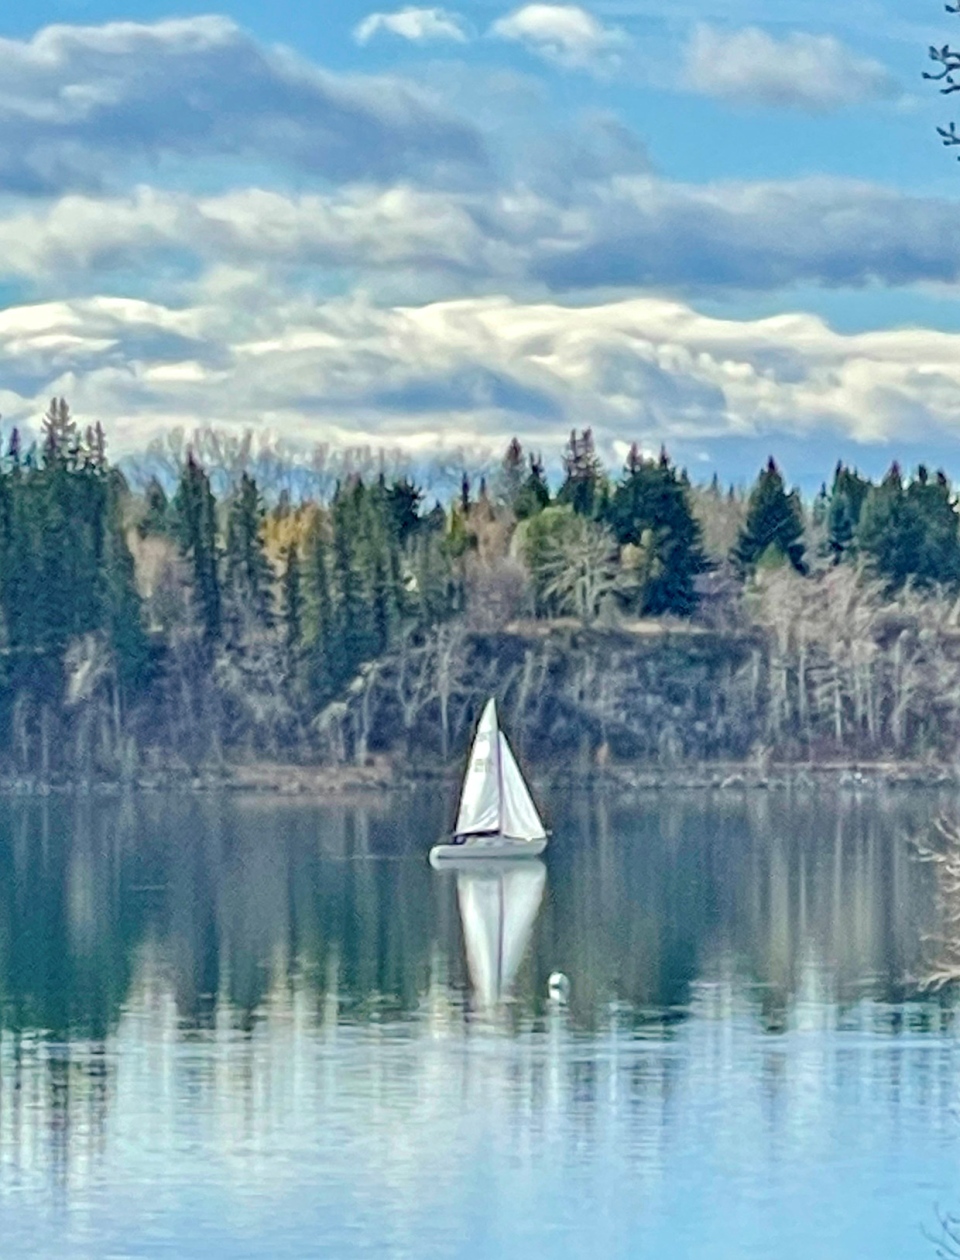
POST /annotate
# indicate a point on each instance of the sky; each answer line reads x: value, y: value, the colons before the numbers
x: 431, y: 228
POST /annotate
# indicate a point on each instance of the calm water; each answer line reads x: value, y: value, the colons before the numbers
x: 253, y: 1029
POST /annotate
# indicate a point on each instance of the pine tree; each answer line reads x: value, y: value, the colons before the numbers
x: 774, y: 523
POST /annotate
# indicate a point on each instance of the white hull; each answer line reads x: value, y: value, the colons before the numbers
x: 483, y: 848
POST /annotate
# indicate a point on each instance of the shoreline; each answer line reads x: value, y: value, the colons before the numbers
x: 338, y: 782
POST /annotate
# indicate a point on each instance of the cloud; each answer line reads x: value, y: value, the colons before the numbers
x: 80, y: 104
x: 564, y: 34
x: 474, y: 370
x: 815, y: 73
x: 615, y: 231
x: 420, y: 26
x: 742, y: 235
x: 78, y: 238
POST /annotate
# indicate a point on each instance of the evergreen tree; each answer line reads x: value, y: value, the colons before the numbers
x: 292, y: 608
x: 438, y: 592
x: 59, y: 433
x: 650, y: 508
x: 774, y: 523
x: 249, y: 573
x: 196, y: 527
x: 846, y: 502
x: 534, y: 494
x: 156, y: 518
x: 911, y: 532
x: 351, y: 609
x: 123, y: 608
x: 325, y: 660
x: 380, y: 558
x: 584, y: 486
x: 403, y: 504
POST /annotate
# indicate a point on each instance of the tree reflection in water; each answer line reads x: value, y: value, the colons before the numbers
x: 264, y: 927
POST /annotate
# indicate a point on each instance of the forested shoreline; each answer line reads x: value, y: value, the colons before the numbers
x: 191, y: 620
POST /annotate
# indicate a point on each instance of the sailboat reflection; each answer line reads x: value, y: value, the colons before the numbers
x: 498, y: 908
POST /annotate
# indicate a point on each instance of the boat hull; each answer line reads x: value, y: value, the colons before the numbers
x: 485, y: 849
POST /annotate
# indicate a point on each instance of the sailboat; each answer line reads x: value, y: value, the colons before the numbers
x: 497, y: 817
x: 498, y: 908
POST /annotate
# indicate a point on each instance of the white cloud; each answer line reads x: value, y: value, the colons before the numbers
x: 564, y: 34
x: 800, y: 71
x: 369, y: 229
x: 624, y: 231
x: 473, y: 369
x: 420, y: 26
x: 79, y: 104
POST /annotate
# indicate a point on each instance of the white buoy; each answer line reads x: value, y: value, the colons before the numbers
x: 558, y: 988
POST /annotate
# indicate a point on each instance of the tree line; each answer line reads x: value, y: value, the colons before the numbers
x: 168, y: 621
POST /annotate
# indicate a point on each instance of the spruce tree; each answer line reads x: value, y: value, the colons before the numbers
x: 249, y: 573
x: 325, y: 667
x: 380, y: 559
x: 584, y: 486
x: 196, y: 527
x: 774, y: 523
x: 651, y: 508
x: 534, y: 494
x: 846, y: 501
x: 292, y: 595
x: 910, y: 533
x: 351, y: 607
x: 59, y: 433
x: 403, y: 506
x: 156, y: 518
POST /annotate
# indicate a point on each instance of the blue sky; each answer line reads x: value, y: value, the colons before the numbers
x: 426, y: 227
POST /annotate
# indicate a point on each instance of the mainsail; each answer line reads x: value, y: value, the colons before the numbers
x: 495, y: 800
x: 480, y: 797
x: 498, y: 913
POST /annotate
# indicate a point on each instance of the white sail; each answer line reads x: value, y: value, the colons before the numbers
x: 498, y: 913
x: 518, y: 814
x: 480, y: 797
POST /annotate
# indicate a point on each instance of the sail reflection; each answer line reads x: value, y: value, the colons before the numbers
x: 498, y: 908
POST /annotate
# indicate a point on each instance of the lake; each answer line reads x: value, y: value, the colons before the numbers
x: 262, y: 1028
